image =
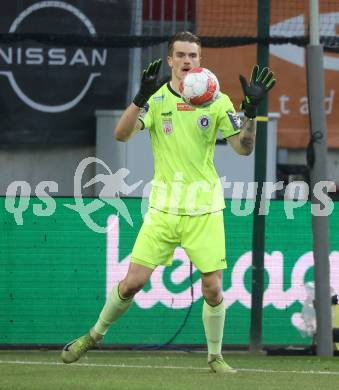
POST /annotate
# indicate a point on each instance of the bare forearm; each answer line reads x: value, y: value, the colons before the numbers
x: 247, y: 136
x: 128, y: 124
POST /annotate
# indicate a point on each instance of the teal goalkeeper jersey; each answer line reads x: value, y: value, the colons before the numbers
x: 183, y: 141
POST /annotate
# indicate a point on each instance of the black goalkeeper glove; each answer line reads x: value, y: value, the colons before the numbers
x: 259, y: 85
x: 149, y: 83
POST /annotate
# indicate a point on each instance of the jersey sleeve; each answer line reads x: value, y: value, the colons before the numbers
x: 229, y: 121
x: 146, y: 115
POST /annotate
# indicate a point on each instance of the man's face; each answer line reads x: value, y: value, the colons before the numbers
x: 185, y: 55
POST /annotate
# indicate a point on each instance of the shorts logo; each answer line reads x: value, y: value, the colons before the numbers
x: 204, y: 122
x: 167, y: 125
x: 235, y: 120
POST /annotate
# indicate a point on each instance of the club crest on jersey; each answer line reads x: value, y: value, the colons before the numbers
x: 235, y: 120
x: 167, y: 125
x: 204, y: 122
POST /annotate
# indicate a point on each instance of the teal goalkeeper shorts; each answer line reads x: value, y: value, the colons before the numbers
x: 202, y: 237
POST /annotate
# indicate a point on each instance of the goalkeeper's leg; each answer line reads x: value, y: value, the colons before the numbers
x: 118, y: 302
x: 213, y: 315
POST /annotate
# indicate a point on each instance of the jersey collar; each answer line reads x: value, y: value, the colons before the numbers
x: 172, y: 90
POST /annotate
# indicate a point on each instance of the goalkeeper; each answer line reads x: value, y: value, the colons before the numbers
x: 186, y: 202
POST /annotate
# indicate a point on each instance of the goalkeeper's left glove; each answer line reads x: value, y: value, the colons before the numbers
x: 254, y: 91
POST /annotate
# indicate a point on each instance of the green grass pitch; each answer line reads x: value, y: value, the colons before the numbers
x: 101, y: 370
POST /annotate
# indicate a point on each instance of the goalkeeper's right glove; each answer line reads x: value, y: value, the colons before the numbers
x: 256, y: 89
x: 149, y: 83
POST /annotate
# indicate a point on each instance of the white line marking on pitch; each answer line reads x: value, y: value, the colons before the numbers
x: 165, y: 367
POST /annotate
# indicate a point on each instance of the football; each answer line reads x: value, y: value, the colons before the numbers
x: 200, y: 87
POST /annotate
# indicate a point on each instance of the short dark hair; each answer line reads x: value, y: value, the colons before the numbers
x: 183, y: 36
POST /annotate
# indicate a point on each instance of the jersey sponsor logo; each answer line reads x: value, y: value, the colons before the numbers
x: 167, y: 125
x: 158, y: 98
x: 169, y: 113
x: 185, y: 107
x: 235, y: 120
x: 204, y: 122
